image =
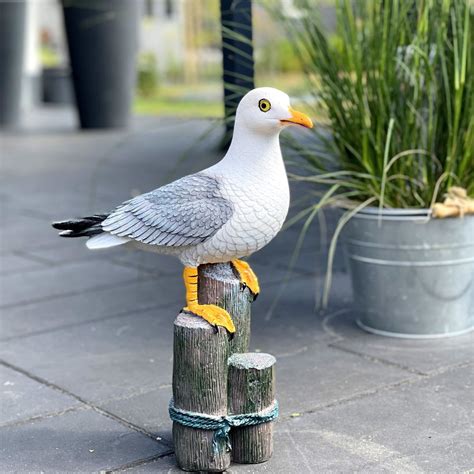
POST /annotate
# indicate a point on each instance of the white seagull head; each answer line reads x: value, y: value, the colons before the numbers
x: 268, y: 110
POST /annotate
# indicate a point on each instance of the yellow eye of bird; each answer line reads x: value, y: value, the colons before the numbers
x: 264, y: 105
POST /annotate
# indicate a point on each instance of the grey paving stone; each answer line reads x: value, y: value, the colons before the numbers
x: 56, y: 281
x: 148, y: 410
x: 69, y: 250
x: 171, y: 147
x: 46, y: 208
x: 425, y: 426
x: 46, y: 120
x: 132, y: 177
x: 288, y: 458
x: 82, y: 441
x: 22, y: 398
x: 19, y: 232
x: 286, y: 316
x: 79, y: 166
x: 39, y: 154
x: 150, y: 262
x: 318, y: 375
x: 70, y: 310
x: 269, y: 276
x: 74, y: 184
x: 421, y: 355
x: 81, y: 192
x: 102, y: 360
x: 308, y: 262
x: 166, y: 464
x: 16, y: 263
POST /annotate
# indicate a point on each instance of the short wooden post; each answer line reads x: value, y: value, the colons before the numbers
x: 200, y: 370
x: 251, y: 389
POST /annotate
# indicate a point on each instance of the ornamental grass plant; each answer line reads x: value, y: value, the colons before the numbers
x: 395, y: 82
x: 398, y: 93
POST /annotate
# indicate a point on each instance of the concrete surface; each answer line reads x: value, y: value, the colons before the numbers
x: 86, y: 337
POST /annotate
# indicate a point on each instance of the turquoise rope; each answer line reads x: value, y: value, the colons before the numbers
x: 221, y: 424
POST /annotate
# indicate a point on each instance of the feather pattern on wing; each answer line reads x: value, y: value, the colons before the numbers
x: 185, y: 212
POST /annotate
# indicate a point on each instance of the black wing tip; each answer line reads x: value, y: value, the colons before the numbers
x: 61, y: 225
x: 80, y: 227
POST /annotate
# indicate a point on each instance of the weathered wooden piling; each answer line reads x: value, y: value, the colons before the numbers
x: 219, y: 285
x: 251, y: 389
x: 200, y: 370
x: 199, y: 385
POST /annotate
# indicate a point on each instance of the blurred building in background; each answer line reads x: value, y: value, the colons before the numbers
x: 182, y: 36
x: 179, y: 46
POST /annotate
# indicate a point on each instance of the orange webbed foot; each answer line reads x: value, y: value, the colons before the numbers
x: 247, y: 276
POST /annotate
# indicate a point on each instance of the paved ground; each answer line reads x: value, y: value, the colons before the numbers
x: 86, y: 337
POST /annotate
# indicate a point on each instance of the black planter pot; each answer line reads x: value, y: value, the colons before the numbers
x: 57, y: 86
x: 102, y: 37
x: 12, y: 42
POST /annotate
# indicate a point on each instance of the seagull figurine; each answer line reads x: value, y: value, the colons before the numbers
x: 221, y: 214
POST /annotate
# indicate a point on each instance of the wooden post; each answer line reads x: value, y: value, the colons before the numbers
x: 200, y: 368
x: 199, y: 385
x: 219, y: 285
x: 251, y: 389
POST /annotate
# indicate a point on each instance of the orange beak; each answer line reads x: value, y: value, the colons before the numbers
x: 298, y: 118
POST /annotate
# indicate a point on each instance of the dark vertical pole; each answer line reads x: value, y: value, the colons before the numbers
x: 12, y: 46
x: 237, y: 53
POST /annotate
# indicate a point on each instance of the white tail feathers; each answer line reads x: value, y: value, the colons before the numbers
x: 105, y: 240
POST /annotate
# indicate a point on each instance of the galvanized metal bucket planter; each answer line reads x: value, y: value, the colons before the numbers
x: 412, y: 276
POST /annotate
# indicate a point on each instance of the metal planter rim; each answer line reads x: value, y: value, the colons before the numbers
x: 402, y: 264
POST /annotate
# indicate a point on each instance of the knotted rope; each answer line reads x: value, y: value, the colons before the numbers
x: 456, y: 203
x: 221, y: 424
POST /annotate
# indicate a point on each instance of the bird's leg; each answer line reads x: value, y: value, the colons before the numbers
x: 247, y: 276
x: 210, y: 312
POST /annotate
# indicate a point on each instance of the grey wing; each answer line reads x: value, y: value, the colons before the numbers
x: 185, y: 212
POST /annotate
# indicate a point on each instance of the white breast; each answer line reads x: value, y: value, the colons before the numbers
x: 260, y: 197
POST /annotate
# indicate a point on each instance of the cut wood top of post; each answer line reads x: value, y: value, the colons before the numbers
x: 219, y: 271
x: 252, y: 360
x: 191, y: 321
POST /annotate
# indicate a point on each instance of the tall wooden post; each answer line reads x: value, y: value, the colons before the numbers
x: 199, y: 385
x: 237, y: 55
x: 200, y: 370
x: 251, y: 389
x: 219, y: 285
